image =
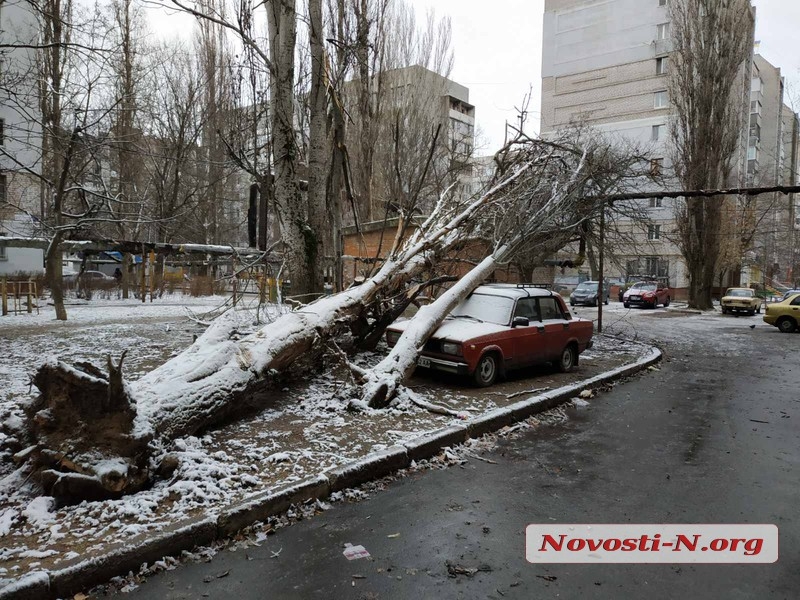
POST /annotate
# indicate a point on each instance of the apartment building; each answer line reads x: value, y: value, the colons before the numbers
x: 772, y: 159
x: 20, y: 193
x: 606, y: 64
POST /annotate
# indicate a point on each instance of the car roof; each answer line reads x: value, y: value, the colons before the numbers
x: 741, y: 288
x: 511, y: 290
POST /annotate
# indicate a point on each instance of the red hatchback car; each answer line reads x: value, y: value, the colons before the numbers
x: 646, y: 293
x: 500, y: 327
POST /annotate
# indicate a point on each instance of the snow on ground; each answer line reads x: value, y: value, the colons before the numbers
x: 301, y: 427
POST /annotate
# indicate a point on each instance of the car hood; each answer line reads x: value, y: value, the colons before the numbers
x: 457, y: 330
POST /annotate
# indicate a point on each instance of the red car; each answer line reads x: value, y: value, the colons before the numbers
x: 646, y: 293
x: 501, y: 327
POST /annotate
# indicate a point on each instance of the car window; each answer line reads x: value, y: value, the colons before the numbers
x: 549, y: 309
x: 526, y: 307
x: 795, y: 302
x: 740, y: 293
x: 650, y: 287
x: 494, y: 309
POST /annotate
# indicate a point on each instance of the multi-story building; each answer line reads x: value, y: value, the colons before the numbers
x: 20, y: 139
x: 605, y: 64
x: 772, y: 155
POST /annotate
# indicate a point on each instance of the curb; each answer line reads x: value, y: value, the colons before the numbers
x: 261, y: 506
x: 84, y: 574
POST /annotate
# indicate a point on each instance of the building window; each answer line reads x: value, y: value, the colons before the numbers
x: 658, y: 133
x: 662, y: 32
x: 654, y: 232
x: 2, y: 189
x: 661, y: 65
x: 660, y: 99
x: 662, y: 2
x: 656, y: 202
x: 2, y: 131
x: 656, y: 165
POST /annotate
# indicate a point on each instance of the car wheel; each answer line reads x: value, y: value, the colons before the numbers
x: 758, y: 309
x: 606, y: 302
x: 572, y: 304
x: 486, y: 371
x: 568, y: 360
x: 786, y: 325
x: 666, y: 304
x: 751, y: 312
x: 626, y: 304
x: 724, y: 311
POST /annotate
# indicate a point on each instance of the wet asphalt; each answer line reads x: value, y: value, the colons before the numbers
x: 711, y: 437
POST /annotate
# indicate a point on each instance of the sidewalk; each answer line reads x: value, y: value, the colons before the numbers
x: 239, y: 473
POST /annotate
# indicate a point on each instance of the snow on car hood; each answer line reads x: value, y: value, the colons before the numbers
x: 457, y: 330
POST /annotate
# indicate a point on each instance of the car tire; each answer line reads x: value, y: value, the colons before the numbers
x: 568, y: 360
x: 724, y: 311
x: 758, y: 309
x: 751, y: 312
x: 572, y: 304
x: 666, y: 304
x: 606, y: 302
x: 786, y: 325
x: 626, y: 304
x: 487, y: 370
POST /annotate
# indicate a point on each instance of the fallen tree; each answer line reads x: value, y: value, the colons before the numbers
x: 95, y: 435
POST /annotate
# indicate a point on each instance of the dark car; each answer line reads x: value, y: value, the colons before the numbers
x: 501, y: 327
x: 586, y: 293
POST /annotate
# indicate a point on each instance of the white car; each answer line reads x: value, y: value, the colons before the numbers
x: 90, y: 276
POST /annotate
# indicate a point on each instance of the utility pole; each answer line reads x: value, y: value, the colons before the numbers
x: 601, y: 294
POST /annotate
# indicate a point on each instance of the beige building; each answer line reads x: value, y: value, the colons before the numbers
x: 772, y: 155
x: 605, y: 64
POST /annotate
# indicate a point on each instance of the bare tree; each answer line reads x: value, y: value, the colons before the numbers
x: 712, y: 49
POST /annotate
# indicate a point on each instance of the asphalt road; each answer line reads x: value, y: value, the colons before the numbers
x: 685, y: 444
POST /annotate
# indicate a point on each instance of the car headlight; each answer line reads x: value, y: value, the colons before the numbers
x: 392, y: 337
x: 451, y: 348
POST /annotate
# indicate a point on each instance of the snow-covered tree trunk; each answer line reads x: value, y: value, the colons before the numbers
x: 381, y: 382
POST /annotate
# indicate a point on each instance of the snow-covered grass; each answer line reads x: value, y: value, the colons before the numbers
x: 301, y: 428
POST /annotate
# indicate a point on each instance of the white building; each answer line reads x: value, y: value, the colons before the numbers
x: 605, y: 64
x: 20, y: 140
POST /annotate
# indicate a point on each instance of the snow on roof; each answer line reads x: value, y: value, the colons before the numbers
x: 511, y: 290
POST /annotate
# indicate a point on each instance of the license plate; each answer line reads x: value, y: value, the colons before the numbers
x: 636, y: 297
x: 424, y: 362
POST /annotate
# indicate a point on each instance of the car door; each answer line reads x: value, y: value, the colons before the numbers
x: 527, y: 340
x: 794, y: 307
x: 556, y: 328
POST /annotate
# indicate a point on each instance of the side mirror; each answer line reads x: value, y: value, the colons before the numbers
x: 520, y: 322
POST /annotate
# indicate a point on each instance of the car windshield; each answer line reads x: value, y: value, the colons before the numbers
x: 648, y: 287
x: 482, y: 307
x: 740, y: 293
x: 587, y: 286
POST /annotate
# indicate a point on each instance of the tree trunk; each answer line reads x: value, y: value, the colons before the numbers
x: 300, y: 239
x: 381, y: 382
x: 319, y: 148
x: 55, y: 277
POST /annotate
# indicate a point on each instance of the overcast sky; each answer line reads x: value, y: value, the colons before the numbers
x: 498, y: 54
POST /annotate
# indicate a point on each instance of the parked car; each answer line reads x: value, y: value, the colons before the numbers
x: 785, y: 315
x: 90, y: 276
x: 586, y: 293
x: 646, y: 293
x: 790, y: 293
x: 740, y: 300
x: 500, y: 327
